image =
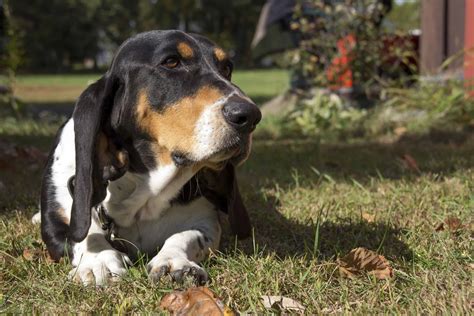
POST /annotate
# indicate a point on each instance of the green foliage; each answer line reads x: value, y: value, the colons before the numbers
x: 11, y: 126
x: 58, y: 34
x: 405, y: 16
x: 343, y: 44
x: 328, y: 29
x: 11, y: 58
x: 423, y: 108
x: 324, y: 114
x: 55, y: 33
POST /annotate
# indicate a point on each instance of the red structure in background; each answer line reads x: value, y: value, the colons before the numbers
x: 340, y: 75
x: 469, y: 48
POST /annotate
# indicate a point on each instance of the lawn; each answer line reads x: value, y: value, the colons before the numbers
x: 310, y: 204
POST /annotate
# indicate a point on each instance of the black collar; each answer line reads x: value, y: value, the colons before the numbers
x: 106, y: 222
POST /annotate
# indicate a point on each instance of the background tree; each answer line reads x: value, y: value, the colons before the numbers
x: 11, y: 55
x: 58, y: 34
x: 55, y: 33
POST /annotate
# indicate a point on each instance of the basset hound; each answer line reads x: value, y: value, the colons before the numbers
x: 147, y: 161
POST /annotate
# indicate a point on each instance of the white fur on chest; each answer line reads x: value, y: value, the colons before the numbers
x: 134, y: 197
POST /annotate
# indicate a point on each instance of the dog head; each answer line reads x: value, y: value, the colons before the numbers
x: 167, y: 98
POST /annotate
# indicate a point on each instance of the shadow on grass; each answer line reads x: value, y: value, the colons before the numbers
x: 274, y: 233
x: 42, y: 109
x: 42, y: 142
x: 302, y: 163
x: 285, y: 162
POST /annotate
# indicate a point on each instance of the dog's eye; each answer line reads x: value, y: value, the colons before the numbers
x: 171, y: 62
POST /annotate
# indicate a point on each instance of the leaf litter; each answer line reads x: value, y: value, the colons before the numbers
x: 361, y: 260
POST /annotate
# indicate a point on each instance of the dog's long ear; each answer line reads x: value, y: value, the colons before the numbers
x: 93, y: 170
x: 238, y: 217
x: 222, y: 189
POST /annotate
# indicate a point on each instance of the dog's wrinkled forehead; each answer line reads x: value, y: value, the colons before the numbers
x: 171, y: 65
x: 152, y: 48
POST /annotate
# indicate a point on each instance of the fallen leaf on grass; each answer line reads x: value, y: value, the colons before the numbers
x: 195, y: 301
x: 281, y: 303
x: 36, y: 255
x: 368, y: 217
x: 410, y: 163
x: 361, y: 260
x: 451, y: 223
x: 29, y: 254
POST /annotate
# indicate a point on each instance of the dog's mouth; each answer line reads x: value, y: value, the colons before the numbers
x: 235, y: 152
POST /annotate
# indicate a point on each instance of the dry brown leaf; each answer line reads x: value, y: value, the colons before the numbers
x: 36, y: 255
x: 451, y: 223
x: 195, y: 301
x: 363, y: 260
x: 368, y: 217
x: 29, y: 254
x: 410, y: 163
x: 281, y: 303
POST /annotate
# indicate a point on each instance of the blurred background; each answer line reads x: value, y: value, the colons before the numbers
x: 357, y: 54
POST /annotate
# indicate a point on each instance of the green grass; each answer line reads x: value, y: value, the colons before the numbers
x: 261, y: 85
x: 306, y: 201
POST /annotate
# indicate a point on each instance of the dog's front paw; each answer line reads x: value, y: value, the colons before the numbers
x: 100, y: 269
x: 178, y: 268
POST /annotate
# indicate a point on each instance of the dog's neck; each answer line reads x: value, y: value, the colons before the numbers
x: 138, y: 197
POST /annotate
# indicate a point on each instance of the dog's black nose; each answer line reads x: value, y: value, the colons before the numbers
x: 241, y: 114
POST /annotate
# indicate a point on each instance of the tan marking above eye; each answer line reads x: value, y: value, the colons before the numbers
x: 220, y: 54
x: 185, y: 50
x: 173, y: 129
